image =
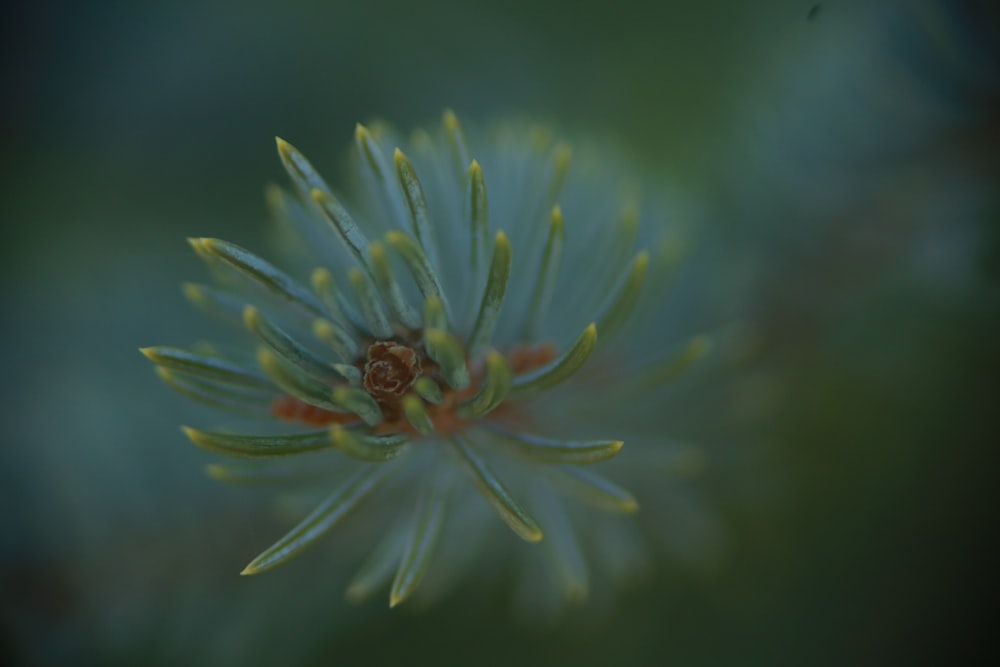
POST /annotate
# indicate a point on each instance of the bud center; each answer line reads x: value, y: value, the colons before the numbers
x: 390, y: 370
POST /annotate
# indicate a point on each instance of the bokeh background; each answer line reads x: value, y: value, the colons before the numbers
x: 846, y: 151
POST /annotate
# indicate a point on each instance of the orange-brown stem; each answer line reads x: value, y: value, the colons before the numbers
x: 390, y: 369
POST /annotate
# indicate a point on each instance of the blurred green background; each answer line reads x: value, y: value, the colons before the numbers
x: 847, y: 151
